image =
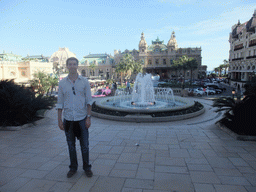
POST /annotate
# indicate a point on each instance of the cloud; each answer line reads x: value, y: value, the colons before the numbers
x: 224, y: 21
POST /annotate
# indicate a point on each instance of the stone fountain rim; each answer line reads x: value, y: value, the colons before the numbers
x: 188, y: 104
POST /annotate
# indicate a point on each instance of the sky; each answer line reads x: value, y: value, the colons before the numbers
x: 38, y: 27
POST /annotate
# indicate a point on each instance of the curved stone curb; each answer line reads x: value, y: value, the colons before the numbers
x: 147, y: 118
x: 235, y: 135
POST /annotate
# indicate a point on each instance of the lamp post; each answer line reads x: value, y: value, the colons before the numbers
x: 233, y: 93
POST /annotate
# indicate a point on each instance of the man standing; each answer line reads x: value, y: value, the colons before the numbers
x: 75, y: 98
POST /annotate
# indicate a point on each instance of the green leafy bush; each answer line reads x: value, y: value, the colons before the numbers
x: 19, y: 104
x: 239, y: 115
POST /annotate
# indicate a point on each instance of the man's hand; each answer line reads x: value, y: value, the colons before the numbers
x: 60, y: 124
x: 87, y: 122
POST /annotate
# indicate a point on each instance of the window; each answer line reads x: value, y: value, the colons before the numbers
x: 157, y: 61
x: 249, y: 53
x: 248, y: 68
x: 164, y: 61
x: 149, y: 62
x: 171, y: 61
x: 83, y: 73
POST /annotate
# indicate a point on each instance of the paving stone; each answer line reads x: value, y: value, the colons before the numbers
x: 171, y: 169
x: 129, y: 158
x: 251, y: 178
x: 159, y: 146
x: 197, y: 161
x: 227, y: 172
x: 150, y: 165
x: 193, y: 167
x: 250, y: 188
x: 182, y: 153
x: 229, y: 188
x: 116, y: 150
x: 145, y: 173
x: 60, y: 174
x: 84, y: 184
x: 108, y: 184
x: 122, y: 173
x: 131, y: 190
x: 126, y: 166
x: 170, y: 161
x: 102, y: 170
x: 218, y: 162
x: 37, y: 185
x: 173, y: 182
x: 246, y: 169
x: 14, y: 184
x: 238, y: 161
x: 9, y: 173
x: 204, y: 187
x: 101, y: 149
x: 104, y: 162
x: 230, y: 180
x: 139, y: 183
x: 37, y: 174
x: 50, y: 165
x: 147, y: 157
x: 204, y: 177
x: 61, y: 187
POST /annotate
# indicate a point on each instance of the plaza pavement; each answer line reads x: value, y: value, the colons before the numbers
x: 189, y: 155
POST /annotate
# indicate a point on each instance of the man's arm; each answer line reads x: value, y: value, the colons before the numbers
x: 60, y: 123
x: 59, y: 106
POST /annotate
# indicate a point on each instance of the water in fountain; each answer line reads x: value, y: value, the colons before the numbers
x: 144, y: 95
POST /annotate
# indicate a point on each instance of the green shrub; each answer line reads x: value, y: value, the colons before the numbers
x: 19, y: 104
x: 239, y: 116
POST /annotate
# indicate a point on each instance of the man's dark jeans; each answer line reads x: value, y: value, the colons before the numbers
x: 84, y: 143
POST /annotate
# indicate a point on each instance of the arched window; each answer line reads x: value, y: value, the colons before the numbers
x: 248, y: 68
x: 83, y: 73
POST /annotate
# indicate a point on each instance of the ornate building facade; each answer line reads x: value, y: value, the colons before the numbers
x: 22, y: 69
x: 158, y: 57
x: 60, y: 57
x: 242, y: 54
x: 97, y: 66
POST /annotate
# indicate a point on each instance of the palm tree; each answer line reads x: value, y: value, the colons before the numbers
x: 127, y: 66
x: 221, y: 67
x: 226, y: 65
x: 192, y: 65
x: 216, y: 69
x: 92, y: 66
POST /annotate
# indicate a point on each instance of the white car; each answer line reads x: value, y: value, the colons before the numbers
x: 197, y: 92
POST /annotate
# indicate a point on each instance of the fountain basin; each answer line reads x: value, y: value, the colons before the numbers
x: 184, y: 109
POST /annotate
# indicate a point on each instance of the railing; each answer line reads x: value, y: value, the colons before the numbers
x: 236, y: 59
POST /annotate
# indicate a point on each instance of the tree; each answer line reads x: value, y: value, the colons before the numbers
x: 182, y: 63
x: 92, y: 66
x: 221, y: 67
x: 192, y: 65
x: 216, y: 69
x: 127, y: 66
x: 225, y: 65
x: 43, y: 82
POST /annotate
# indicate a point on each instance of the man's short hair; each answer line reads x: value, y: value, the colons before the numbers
x: 72, y: 58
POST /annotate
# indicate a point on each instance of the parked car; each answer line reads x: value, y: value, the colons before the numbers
x: 218, y: 91
x: 102, y: 93
x: 197, y: 92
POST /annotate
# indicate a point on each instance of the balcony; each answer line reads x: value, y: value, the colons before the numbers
x: 250, y: 57
x: 238, y: 48
x: 236, y: 59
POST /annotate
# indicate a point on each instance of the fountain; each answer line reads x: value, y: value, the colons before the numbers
x: 146, y: 104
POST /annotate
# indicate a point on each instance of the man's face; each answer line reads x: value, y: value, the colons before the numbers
x: 72, y: 66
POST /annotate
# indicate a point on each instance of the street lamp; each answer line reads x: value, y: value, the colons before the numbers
x: 233, y: 93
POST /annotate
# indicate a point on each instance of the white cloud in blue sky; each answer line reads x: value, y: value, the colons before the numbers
x: 99, y: 26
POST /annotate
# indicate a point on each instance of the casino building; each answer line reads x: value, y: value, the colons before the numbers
x: 158, y: 58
